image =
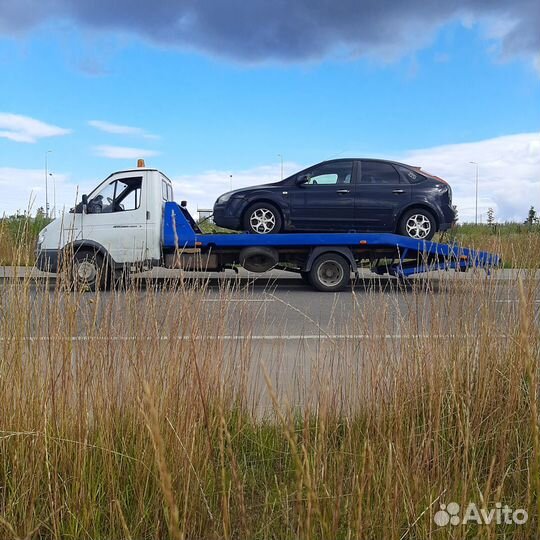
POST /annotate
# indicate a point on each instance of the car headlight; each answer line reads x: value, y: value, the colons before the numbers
x: 224, y: 198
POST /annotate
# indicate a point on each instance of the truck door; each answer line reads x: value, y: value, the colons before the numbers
x: 380, y: 195
x: 116, y: 217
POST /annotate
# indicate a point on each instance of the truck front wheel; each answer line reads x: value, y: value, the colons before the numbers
x: 89, y: 272
x: 330, y: 272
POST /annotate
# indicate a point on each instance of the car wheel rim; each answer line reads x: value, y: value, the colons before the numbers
x: 330, y: 273
x: 262, y: 221
x: 86, y: 272
x: 418, y: 226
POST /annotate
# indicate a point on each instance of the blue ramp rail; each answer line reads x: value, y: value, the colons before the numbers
x: 393, y: 254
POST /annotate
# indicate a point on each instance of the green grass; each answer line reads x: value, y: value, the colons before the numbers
x: 517, y: 244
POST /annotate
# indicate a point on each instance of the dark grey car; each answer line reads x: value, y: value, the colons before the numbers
x: 360, y: 195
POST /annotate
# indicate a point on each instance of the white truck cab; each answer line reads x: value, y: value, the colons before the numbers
x: 120, y: 222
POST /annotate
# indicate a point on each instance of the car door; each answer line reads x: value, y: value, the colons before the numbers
x: 116, y: 217
x: 325, y: 199
x: 381, y: 193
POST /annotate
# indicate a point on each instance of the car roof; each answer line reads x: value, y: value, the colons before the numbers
x: 364, y: 159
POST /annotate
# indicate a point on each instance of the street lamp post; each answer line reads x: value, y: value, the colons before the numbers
x: 230, y: 180
x: 281, y: 159
x: 54, y: 194
x: 476, y: 194
x: 47, y: 182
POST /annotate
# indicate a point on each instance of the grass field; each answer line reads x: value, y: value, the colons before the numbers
x: 148, y: 426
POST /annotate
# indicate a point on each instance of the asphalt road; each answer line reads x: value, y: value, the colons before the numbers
x: 279, y: 305
x: 277, y: 321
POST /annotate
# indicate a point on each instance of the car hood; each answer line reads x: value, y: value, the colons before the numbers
x: 251, y: 188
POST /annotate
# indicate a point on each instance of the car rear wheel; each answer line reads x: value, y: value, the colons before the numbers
x: 418, y: 224
x: 262, y: 218
x: 330, y: 272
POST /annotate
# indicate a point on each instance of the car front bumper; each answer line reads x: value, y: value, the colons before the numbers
x: 229, y: 214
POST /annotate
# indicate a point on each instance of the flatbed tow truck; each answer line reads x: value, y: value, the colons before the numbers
x: 131, y: 223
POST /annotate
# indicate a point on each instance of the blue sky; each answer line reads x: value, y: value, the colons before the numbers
x: 200, y: 115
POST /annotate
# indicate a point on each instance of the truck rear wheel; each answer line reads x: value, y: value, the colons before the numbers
x: 330, y: 272
x: 89, y: 272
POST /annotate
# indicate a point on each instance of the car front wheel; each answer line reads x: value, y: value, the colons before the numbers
x: 262, y: 218
x: 418, y: 224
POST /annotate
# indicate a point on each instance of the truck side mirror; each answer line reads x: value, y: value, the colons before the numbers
x: 183, y: 204
x: 84, y: 199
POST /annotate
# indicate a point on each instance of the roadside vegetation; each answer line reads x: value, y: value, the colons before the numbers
x: 125, y: 415
x: 18, y: 237
x: 518, y: 244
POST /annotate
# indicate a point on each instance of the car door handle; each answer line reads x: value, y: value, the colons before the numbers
x: 398, y: 191
x: 342, y: 191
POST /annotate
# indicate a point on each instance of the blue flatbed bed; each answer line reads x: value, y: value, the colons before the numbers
x: 407, y: 256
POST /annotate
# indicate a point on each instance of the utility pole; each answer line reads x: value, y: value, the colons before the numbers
x: 281, y: 159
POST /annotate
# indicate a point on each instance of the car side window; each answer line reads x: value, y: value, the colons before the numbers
x: 378, y: 172
x: 331, y: 174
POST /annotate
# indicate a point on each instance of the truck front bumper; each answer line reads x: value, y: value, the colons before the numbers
x: 47, y: 260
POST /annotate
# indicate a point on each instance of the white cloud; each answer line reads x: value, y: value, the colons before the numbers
x: 18, y: 128
x: 124, y: 152
x: 118, y: 129
x: 509, y: 174
x: 24, y: 190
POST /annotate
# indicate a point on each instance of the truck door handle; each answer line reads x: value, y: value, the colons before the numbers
x: 342, y: 191
x: 398, y: 191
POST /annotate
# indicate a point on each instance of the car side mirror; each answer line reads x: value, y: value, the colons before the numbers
x: 302, y: 179
x: 183, y: 204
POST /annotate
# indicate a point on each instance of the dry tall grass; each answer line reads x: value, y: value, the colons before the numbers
x: 126, y: 415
